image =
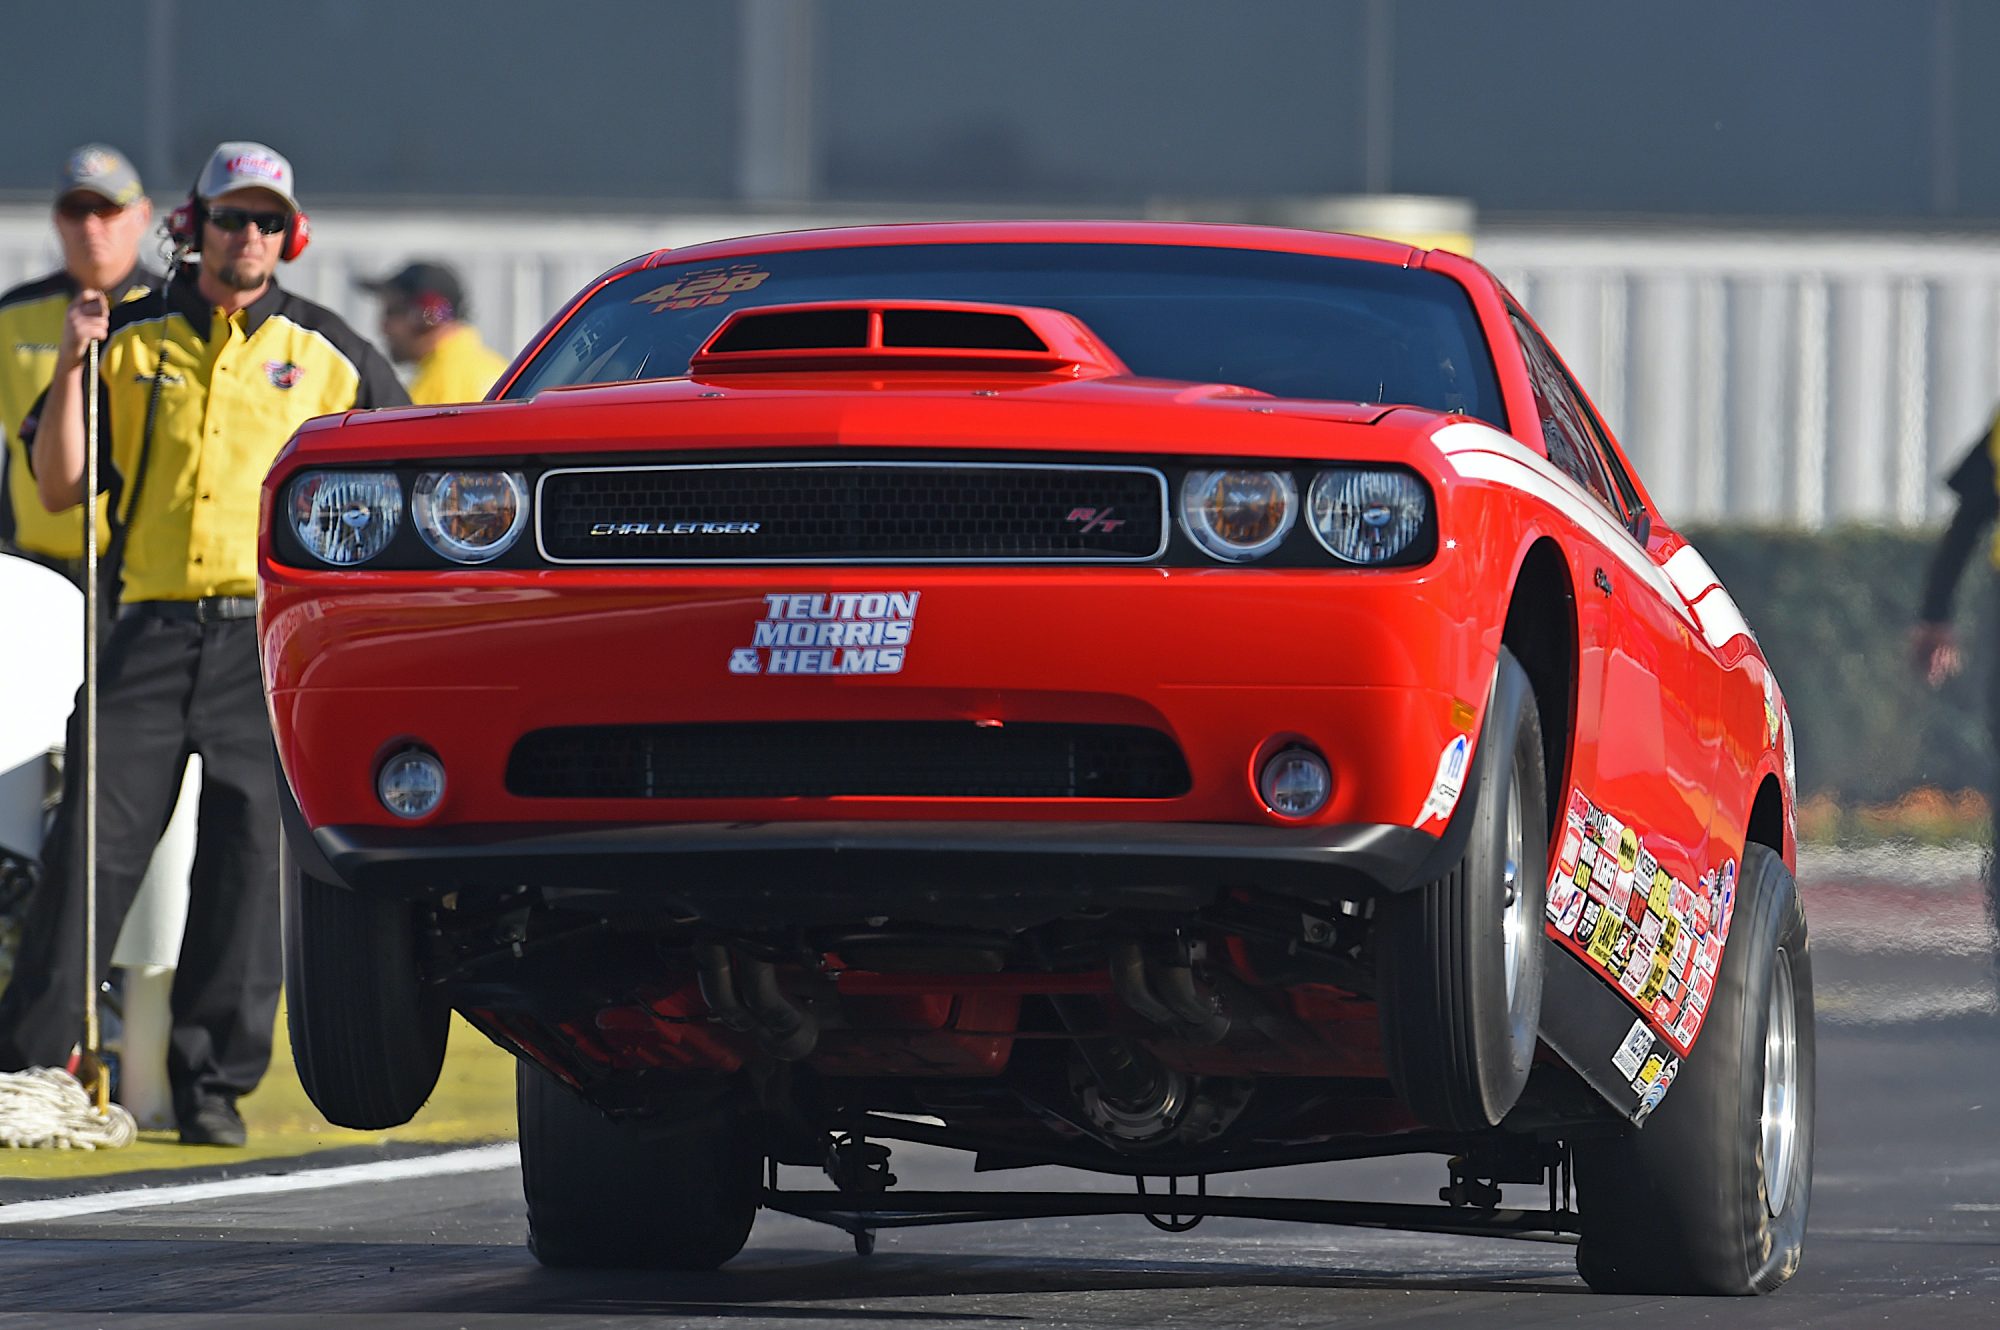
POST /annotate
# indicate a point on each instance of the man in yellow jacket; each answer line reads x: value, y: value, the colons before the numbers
x: 201, y: 384
x: 424, y: 324
x: 101, y: 216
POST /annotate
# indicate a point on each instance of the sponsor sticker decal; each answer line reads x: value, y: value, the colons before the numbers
x: 1604, y: 940
x: 1655, y: 937
x: 1661, y: 899
x: 830, y: 633
x: 1657, y: 1089
x: 1636, y: 970
x: 1565, y: 905
x: 1450, y: 781
x: 1572, y: 846
x: 1632, y: 1052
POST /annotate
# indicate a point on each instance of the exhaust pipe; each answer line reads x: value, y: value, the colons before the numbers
x: 1166, y: 995
x: 785, y: 1032
x: 764, y: 1012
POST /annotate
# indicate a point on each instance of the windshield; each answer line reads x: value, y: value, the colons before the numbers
x: 1292, y: 325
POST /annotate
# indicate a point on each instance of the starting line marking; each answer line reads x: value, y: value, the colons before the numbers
x: 478, y: 1159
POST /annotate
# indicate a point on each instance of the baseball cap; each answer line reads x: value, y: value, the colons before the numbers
x: 421, y: 278
x: 100, y: 169
x: 242, y: 164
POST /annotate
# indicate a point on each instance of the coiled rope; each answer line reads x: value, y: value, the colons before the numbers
x: 47, y: 1108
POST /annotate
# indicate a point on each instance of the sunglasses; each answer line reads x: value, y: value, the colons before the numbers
x: 77, y: 209
x: 232, y: 220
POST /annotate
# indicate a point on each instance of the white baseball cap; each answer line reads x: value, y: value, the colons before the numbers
x: 246, y: 165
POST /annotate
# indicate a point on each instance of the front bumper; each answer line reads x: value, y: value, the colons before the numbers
x: 1380, y: 672
x: 1013, y: 874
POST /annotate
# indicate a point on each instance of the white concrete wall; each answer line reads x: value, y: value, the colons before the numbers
x: 1761, y: 377
x: 1775, y: 378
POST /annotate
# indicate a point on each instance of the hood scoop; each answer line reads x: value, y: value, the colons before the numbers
x: 905, y: 334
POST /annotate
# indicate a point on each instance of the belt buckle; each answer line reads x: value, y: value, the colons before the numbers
x: 201, y: 611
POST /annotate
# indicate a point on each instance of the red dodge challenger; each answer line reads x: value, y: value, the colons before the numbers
x: 1159, y: 700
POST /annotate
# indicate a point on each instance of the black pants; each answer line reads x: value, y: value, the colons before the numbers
x: 166, y: 688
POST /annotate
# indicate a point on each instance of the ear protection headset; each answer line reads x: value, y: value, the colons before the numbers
x: 184, y: 225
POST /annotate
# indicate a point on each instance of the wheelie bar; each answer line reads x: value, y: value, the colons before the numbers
x: 924, y: 1209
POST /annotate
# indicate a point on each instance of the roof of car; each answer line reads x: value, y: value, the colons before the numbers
x: 1215, y: 235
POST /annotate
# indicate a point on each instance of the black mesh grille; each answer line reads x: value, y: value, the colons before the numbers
x: 814, y: 759
x: 842, y: 512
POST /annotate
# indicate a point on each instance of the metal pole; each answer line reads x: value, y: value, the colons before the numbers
x: 1378, y: 109
x: 162, y: 35
x: 91, y: 1065
x: 775, y: 141
x: 1944, y: 109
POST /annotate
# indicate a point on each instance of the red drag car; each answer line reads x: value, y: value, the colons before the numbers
x: 1156, y: 699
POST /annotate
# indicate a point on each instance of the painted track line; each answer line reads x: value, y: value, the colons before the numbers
x: 478, y: 1159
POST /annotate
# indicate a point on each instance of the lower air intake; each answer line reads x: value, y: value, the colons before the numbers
x: 907, y: 759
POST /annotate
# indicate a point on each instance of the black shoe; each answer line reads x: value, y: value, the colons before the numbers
x: 214, y: 1122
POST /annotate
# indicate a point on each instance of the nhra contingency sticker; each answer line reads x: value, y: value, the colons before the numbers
x: 838, y: 632
x: 1654, y: 936
x: 1449, y: 782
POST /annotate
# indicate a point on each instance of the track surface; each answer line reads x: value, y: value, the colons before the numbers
x: 1906, y: 1200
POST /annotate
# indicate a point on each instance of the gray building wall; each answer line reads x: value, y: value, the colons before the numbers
x: 1799, y: 110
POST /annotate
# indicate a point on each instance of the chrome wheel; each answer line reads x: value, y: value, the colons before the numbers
x: 1781, y: 1087
x: 1518, y: 932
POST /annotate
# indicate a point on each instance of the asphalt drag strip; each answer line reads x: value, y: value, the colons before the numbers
x: 1905, y: 1224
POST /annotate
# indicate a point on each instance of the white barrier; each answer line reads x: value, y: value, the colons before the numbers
x: 42, y: 608
x: 1776, y: 377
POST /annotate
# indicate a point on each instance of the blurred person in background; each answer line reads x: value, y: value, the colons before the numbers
x: 1935, y: 650
x: 424, y: 324
x: 101, y: 216
x: 202, y: 383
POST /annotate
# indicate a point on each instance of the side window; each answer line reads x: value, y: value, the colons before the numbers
x: 1627, y: 491
x: 1566, y: 429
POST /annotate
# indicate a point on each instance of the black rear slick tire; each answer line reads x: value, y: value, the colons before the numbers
x: 606, y: 1194
x: 1685, y: 1203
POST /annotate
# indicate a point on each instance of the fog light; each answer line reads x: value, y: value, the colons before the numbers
x: 411, y: 784
x: 1295, y: 783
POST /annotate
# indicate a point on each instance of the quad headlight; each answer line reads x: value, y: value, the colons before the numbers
x: 1238, y: 515
x: 470, y: 516
x: 1366, y: 516
x: 346, y: 517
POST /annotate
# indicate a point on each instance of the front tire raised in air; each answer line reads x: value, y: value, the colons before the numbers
x: 1461, y: 959
x: 368, y: 1035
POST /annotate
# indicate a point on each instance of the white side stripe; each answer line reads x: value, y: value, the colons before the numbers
x: 1688, y: 571
x: 1721, y: 621
x: 1484, y: 453
x: 1714, y: 608
x: 479, y: 1159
